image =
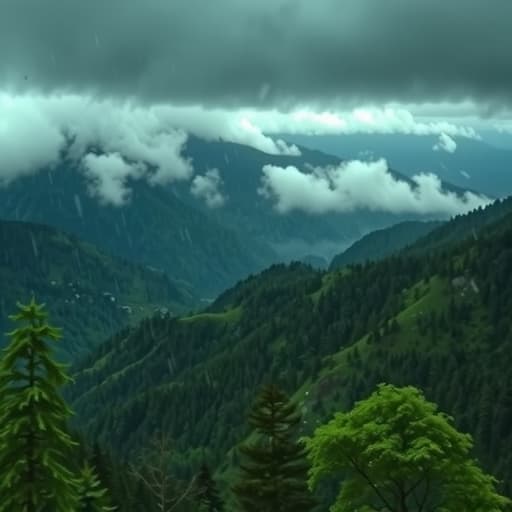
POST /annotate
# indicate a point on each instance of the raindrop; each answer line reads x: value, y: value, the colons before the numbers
x: 50, y: 178
x: 226, y: 158
x: 78, y: 205
x: 264, y: 90
x: 76, y: 256
x: 97, y: 39
x: 34, y: 245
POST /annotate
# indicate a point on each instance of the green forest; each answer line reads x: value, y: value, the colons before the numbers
x: 382, y: 385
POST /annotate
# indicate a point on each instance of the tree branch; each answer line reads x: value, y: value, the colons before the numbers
x: 370, y: 483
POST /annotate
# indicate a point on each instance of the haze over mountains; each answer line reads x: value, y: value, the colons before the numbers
x: 226, y: 225
x: 211, y: 197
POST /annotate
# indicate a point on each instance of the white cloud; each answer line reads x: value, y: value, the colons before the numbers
x: 27, y: 140
x: 108, y: 176
x: 371, y: 120
x: 358, y: 185
x: 35, y: 130
x: 207, y: 188
x: 445, y: 143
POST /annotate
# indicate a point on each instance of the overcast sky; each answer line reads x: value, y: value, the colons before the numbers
x: 242, y: 70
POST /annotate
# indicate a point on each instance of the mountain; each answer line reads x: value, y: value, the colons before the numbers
x: 476, y: 164
x: 92, y: 294
x: 383, y: 242
x: 421, y: 236
x: 464, y: 226
x: 155, y: 228
x: 167, y: 227
x: 437, y: 319
x: 292, y: 236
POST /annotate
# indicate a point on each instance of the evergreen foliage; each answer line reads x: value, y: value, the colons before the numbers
x: 92, y: 294
x: 274, y: 472
x: 207, y: 494
x: 35, y: 472
x: 93, y: 498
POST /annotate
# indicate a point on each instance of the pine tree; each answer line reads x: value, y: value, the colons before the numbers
x: 207, y: 493
x: 93, y: 498
x: 35, y: 474
x: 274, y: 476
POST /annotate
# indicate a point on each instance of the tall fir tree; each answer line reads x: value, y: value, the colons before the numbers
x: 35, y: 469
x: 207, y: 493
x: 93, y: 497
x: 275, y: 471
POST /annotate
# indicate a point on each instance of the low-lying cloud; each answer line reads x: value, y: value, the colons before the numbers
x: 445, y: 143
x: 108, y: 176
x: 136, y: 141
x: 358, y: 185
x: 38, y: 131
x: 208, y: 188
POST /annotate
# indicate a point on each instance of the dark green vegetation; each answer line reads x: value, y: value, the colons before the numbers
x: 156, y: 228
x: 421, y: 236
x: 92, y: 294
x: 394, y: 451
x: 383, y: 242
x: 436, y: 317
x: 274, y: 468
x: 37, y: 468
x: 208, y: 496
x: 168, y: 228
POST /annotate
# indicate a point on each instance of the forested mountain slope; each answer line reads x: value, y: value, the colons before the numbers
x: 168, y: 227
x: 420, y: 235
x: 383, y: 242
x: 92, y: 294
x: 438, y: 320
x: 155, y: 228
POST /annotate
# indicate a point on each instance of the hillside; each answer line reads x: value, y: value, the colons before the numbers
x: 168, y: 228
x: 416, y: 236
x: 156, y: 228
x: 438, y: 321
x: 92, y: 294
x: 383, y: 242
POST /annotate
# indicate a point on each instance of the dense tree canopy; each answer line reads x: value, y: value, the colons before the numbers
x: 396, y: 452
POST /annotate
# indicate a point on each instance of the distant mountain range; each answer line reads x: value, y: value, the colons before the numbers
x: 419, y: 236
x: 91, y: 294
x: 170, y: 229
x: 475, y: 164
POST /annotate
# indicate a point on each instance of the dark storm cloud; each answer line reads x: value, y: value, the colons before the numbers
x: 261, y: 53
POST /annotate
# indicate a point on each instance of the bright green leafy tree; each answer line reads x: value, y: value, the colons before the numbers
x: 35, y: 472
x: 274, y: 474
x: 395, y: 452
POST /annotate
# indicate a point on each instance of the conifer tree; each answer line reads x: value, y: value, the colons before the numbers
x: 93, y: 498
x: 35, y: 474
x: 274, y: 474
x: 207, y: 493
